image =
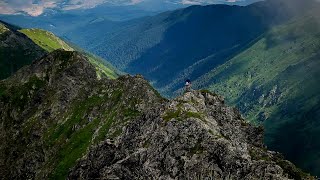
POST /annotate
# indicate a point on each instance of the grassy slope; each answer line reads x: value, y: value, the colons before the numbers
x: 276, y: 81
x: 46, y: 40
x: 50, y: 42
x: 16, y: 50
x: 102, y: 66
x: 3, y: 28
x: 116, y: 100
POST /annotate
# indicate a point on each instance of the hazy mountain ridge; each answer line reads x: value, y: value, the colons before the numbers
x: 156, y: 46
x: 263, y: 74
x: 49, y: 42
x: 275, y: 82
x: 20, y: 47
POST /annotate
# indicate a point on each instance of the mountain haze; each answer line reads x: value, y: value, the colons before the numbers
x: 184, y: 43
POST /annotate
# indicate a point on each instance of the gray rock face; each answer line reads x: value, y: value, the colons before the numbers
x: 194, y: 136
x: 59, y: 120
x: 29, y: 101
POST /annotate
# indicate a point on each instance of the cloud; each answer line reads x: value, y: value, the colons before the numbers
x: 37, y: 7
x: 190, y: 2
x: 197, y: 2
x: 31, y: 7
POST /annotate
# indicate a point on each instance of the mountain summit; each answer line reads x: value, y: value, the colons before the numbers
x: 60, y: 119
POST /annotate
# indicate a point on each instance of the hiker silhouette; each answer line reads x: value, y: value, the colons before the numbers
x: 188, y: 85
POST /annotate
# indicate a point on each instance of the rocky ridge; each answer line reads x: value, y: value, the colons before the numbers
x: 16, y: 50
x: 59, y: 120
x: 195, y: 136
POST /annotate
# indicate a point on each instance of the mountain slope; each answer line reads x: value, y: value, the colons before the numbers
x: 20, y: 47
x: 269, y: 70
x: 16, y: 50
x: 57, y: 110
x: 61, y: 22
x: 184, y: 43
x: 46, y: 40
x: 276, y: 82
x: 49, y: 42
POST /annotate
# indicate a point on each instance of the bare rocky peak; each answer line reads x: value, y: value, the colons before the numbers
x: 58, y: 120
x: 195, y: 136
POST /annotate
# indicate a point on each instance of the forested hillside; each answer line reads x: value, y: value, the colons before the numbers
x: 276, y: 82
x: 190, y: 42
x: 263, y: 57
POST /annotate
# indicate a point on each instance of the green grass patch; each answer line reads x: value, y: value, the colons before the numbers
x: 71, y: 143
x: 193, y: 115
x: 172, y: 115
x: 3, y: 28
x: 102, y: 67
x: 49, y: 42
x: 65, y: 130
x: 179, y: 115
x: 103, y: 131
x: 75, y: 148
x: 131, y: 113
x: 46, y: 40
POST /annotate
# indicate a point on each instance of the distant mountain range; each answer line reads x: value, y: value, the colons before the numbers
x: 263, y: 57
x: 20, y: 47
x: 61, y: 21
x: 187, y: 42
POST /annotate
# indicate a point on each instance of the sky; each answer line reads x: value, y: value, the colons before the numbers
x: 37, y: 7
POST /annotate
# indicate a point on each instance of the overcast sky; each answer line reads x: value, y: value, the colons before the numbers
x: 37, y: 7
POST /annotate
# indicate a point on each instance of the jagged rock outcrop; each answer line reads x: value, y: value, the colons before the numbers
x: 58, y: 120
x: 195, y: 136
x: 54, y: 109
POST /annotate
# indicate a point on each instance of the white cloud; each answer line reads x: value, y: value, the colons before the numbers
x: 190, y: 2
x: 31, y: 7
x: 37, y: 7
x: 195, y: 2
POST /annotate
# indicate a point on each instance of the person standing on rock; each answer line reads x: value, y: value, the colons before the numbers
x: 188, y: 85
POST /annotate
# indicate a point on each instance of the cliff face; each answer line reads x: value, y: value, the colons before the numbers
x: 54, y: 109
x: 195, y: 136
x: 59, y: 120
